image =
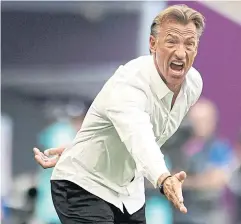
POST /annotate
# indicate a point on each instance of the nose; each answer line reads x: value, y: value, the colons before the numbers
x: 180, y: 53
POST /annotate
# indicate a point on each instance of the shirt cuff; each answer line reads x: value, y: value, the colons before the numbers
x: 153, y: 172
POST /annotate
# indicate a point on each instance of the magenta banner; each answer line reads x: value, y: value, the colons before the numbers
x: 219, y: 62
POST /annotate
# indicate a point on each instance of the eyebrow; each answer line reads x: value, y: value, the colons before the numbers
x: 171, y: 35
x: 176, y: 37
x: 189, y: 38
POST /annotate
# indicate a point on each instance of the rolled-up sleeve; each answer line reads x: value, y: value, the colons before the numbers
x: 126, y: 110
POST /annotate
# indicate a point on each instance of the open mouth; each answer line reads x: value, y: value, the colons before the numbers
x: 177, y: 66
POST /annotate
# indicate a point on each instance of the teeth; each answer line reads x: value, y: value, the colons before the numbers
x: 177, y: 63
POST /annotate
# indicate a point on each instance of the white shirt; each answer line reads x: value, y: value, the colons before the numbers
x: 120, y: 138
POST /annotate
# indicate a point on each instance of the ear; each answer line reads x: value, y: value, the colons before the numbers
x: 196, y: 49
x: 152, y: 44
x: 195, y: 54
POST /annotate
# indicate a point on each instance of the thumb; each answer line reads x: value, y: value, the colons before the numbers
x: 54, y: 151
x: 181, y: 176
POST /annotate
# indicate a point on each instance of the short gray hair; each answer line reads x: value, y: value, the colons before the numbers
x: 180, y: 13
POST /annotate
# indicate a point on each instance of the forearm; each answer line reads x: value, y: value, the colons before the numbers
x: 133, y: 125
x: 148, y: 157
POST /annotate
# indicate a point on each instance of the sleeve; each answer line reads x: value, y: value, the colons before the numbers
x: 126, y: 111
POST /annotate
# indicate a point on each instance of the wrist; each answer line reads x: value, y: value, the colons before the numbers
x: 162, y: 178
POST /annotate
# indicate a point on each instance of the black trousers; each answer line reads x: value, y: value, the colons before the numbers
x: 74, y: 205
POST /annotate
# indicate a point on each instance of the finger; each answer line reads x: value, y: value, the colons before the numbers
x: 40, y: 160
x: 178, y: 200
x: 178, y: 192
x: 45, y: 163
x: 40, y: 154
x: 181, y: 176
x: 54, y: 151
x: 183, y: 209
x: 173, y: 198
x: 171, y: 194
x: 36, y: 151
x: 180, y: 206
x: 50, y: 163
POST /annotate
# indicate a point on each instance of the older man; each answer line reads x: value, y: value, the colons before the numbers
x: 100, y: 178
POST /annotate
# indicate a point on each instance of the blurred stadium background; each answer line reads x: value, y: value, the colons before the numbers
x: 55, y: 58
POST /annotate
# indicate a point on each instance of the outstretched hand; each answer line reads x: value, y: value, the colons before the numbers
x: 49, y: 158
x: 172, y: 188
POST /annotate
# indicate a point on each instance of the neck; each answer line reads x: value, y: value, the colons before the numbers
x: 174, y: 88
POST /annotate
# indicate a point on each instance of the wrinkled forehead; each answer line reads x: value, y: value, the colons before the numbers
x: 176, y: 28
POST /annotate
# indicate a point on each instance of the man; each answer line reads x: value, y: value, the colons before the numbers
x: 100, y: 178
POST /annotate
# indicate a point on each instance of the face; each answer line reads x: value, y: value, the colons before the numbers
x: 174, y: 49
x: 204, y: 119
